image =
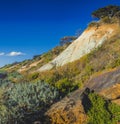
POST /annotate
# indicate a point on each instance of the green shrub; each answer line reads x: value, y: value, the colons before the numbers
x: 102, y: 111
x: 98, y: 114
x: 65, y: 86
x: 115, y: 110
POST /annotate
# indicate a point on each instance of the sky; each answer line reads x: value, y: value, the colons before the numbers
x: 32, y: 27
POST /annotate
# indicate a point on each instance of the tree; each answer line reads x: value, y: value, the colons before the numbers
x: 108, y: 11
x: 67, y: 40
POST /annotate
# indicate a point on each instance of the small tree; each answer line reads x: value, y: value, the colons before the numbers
x: 67, y: 40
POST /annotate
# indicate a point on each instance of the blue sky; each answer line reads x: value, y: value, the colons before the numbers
x: 30, y: 27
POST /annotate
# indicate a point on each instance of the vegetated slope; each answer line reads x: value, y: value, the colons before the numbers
x: 95, y: 72
x: 91, y: 38
x: 78, y: 72
x: 75, y: 108
x: 36, y: 62
x: 100, y: 61
x: 99, y: 72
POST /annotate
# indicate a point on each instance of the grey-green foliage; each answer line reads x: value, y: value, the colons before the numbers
x: 3, y: 114
x: 3, y: 109
x: 13, y: 75
x: 27, y: 101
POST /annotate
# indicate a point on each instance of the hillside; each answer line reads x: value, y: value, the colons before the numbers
x: 71, y: 84
x: 91, y: 38
x: 36, y: 62
x: 75, y: 105
x: 72, y: 109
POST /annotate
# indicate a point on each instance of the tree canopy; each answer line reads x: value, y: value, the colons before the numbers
x: 67, y: 40
x: 108, y: 11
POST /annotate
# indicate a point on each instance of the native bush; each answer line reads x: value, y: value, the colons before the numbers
x: 98, y: 114
x: 65, y: 86
x: 3, y: 109
x: 102, y: 111
x: 28, y: 101
x: 115, y: 110
x: 13, y: 76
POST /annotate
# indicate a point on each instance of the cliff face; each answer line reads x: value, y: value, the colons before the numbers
x: 71, y: 109
x: 89, y: 40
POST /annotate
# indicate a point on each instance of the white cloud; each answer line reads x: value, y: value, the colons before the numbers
x: 13, y: 53
x: 2, y: 54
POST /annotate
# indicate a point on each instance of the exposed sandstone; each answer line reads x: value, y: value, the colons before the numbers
x: 68, y: 111
x: 90, y: 39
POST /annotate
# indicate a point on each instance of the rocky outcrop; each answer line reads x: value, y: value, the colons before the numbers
x: 107, y: 84
x: 112, y: 93
x: 68, y: 111
x: 90, y: 39
x: 104, y: 80
x: 72, y: 109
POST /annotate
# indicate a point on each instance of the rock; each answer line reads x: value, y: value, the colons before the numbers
x: 72, y: 109
x: 68, y: 111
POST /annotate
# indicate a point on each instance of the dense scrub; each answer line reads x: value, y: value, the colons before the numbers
x: 25, y: 102
x: 102, y: 111
x: 77, y: 73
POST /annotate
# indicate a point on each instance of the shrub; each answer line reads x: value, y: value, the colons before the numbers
x: 14, y: 75
x: 65, y: 86
x: 3, y: 109
x: 102, y: 111
x: 92, y: 24
x: 28, y: 101
x: 106, y: 20
x: 115, y: 110
x: 33, y: 76
x: 98, y: 114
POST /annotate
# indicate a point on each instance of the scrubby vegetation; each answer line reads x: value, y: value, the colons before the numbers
x: 81, y: 70
x: 25, y: 96
x: 102, y: 111
x: 25, y: 102
x: 65, y: 79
